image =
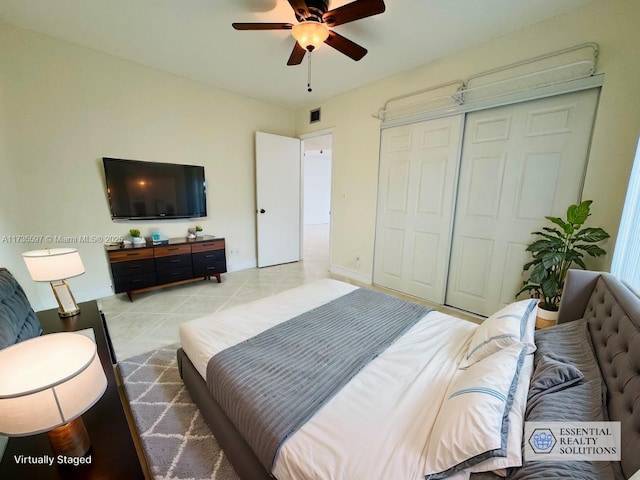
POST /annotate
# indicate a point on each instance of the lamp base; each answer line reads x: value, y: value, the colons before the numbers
x: 66, y: 303
x: 68, y: 313
x: 70, y: 439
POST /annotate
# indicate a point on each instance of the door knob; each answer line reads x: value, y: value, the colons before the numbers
x: 262, y: 210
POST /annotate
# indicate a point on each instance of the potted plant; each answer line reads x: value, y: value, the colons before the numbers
x: 199, y: 232
x: 136, y: 237
x: 555, y: 250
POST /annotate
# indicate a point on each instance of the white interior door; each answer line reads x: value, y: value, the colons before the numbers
x: 519, y: 164
x: 418, y: 168
x: 278, y: 199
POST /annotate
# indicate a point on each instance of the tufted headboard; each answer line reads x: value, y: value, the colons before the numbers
x: 612, y: 312
x: 18, y: 321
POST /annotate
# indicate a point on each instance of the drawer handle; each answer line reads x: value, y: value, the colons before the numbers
x: 133, y: 254
x: 135, y: 266
x: 172, y: 249
x: 137, y: 280
x: 209, y: 256
x: 177, y: 260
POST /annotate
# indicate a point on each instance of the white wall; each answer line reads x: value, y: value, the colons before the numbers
x: 317, y: 187
x: 613, y: 24
x: 64, y: 107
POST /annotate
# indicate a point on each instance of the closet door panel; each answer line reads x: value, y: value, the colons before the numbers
x: 417, y: 178
x: 519, y: 164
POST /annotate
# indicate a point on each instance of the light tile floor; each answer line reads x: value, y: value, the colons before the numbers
x: 152, y: 319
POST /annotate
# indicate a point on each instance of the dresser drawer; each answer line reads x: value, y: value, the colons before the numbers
x: 132, y: 282
x: 171, y: 250
x: 207, y: 246
x: 133, y: 267
x: 171, y: 263
x: 208, y: 270
x: 130, y: 254
x: 209, y: 263
x: 175, y: 275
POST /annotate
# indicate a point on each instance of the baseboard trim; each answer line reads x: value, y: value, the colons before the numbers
x: 352, y: 274
x: 242, y: 265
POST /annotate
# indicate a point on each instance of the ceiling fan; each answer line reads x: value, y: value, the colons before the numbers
x: 313, y: 28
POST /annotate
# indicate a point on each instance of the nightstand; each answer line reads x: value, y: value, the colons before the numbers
x: 113, y: 453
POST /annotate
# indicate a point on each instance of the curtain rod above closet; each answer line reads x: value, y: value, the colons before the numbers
x: 562, y: 71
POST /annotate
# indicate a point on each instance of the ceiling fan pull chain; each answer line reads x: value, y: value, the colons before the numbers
x: 309, y: 89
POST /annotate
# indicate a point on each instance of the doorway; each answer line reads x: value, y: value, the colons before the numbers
x: 316, y: 200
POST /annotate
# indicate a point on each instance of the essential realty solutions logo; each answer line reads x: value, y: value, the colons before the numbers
x: 557, y: 441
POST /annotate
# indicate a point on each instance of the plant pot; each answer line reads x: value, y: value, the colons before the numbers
x: 199, y: 234
x: 546, y: 318
x: 138, y: 240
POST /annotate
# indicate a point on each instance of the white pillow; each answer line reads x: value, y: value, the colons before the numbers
x: 473, y: 423
x: 499, y: 465
x: 513, y: 324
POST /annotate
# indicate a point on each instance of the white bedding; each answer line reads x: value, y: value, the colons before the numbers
x: 376, y: 427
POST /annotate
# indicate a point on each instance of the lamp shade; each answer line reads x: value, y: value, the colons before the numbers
x: 310, y: 34
x: 53, y: 264
x: 47, y: 382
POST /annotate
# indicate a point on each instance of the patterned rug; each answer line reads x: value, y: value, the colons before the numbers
x: 176, y: 439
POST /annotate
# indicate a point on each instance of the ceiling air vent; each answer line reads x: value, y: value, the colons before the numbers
x: 314, y: 115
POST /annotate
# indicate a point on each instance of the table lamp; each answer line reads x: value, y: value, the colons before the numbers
x: 55, y: 265
x: 47, y: 383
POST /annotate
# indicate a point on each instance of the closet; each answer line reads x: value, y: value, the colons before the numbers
x: 459, y: 195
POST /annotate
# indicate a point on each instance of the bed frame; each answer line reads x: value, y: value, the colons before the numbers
x: 613, y: 314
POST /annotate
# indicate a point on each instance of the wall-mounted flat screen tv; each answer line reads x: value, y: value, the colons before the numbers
x: 140, y: 190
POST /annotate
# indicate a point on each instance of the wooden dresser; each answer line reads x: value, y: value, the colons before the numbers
x: 137, y: 269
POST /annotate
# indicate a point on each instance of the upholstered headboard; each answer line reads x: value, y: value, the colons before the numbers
x: 613, y: 316
x: 18, y: 321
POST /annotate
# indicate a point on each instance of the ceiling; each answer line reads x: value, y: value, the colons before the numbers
x: 194, y: 38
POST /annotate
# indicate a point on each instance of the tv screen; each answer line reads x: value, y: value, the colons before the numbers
x: 150, y: 190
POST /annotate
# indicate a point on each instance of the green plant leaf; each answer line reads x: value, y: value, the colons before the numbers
x: 592, y: 235
x: 577, y: 214
x: 593, y: 250
x: 528, y: 287
x: 549, y: 289
x: 567, y: 228
x: 528, y: 265
x: 580, y: 262
x: 538, y: 273
x: 552, y: 259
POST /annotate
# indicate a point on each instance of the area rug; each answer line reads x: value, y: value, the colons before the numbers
x: 176, y: 439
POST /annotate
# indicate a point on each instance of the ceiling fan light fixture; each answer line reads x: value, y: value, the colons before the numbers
x: 310, y: 34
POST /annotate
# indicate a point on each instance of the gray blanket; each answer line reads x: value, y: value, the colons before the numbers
x: 271, y: 384
x: 583, y: 401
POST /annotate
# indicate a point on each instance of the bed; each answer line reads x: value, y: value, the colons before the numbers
x: 446, y: 398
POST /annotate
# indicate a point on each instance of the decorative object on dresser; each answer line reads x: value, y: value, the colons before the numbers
x: 136, y: 237
x: 48, y: 382
x: 55, y: 265
x: 138, y: 269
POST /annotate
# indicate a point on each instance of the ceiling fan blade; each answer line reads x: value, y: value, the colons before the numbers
x: 353, y: 11
x: 297, y: 54
x: 262, y: 26
x: 346, y: 46
x: 300, y: 8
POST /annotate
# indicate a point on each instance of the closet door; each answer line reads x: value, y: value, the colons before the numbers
x: 519, y: 164
x: 418, y: 168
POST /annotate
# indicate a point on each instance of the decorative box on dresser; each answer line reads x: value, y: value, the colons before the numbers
x: 136, y: 268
